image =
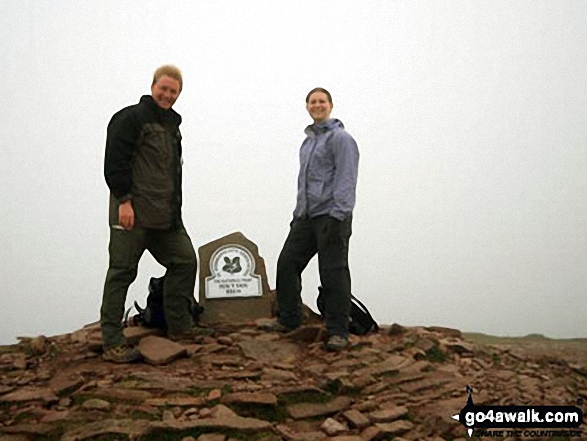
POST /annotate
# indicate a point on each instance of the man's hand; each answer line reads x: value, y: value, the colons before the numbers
x: 126, y: 216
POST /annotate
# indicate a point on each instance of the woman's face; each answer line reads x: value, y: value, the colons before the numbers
x: 319, y: 107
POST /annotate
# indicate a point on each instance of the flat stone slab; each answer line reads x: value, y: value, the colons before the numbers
x: 234, y: 423
x: 175, y: 402
x: 309, y: 410
x: 96, y: 404
x: 29, y: 394
x: 388, y: 415
x: 265, y: 399
x: 270, y: 351
x: 356, y: 418
x: 159, y: 350
x: 396, y: 428
x: 65, y: 384
x: 347, y: 438
x: 132, y: 428
x: 134, y: 334
x: 122, y: 393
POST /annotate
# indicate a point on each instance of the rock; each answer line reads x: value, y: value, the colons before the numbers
x: 289, y: 434
x: 122, y: 394
x: 39, y: 345
x: 175, y: 402
x: 29, y: 394
x: 396, y: 329
x: 425, y: 344
x: 372, y: 433
x: 54, y: 417
x: 349, y: 438
x: 387, y: 415
x: 309, y: 410
x: 214, y: 394
x: 222, y: 411
x: 448, y: 332
x: 131, y: 428
x: 212, y: 437
x: 205, y: 412
x: 269, y: 351
x: 332, y: 427
x: 396, y: 428
x: 356, y: 419
x: 96, y: 404
x: 263, y: 323
x: 278, y: 375
x: 168, y: 416
x: 158, y: 350
x: 40, y: 396
x: 581, y: 370
x: 227, y: 341
x: 307, y: 334
x: 66, y: 383
x: 224, y: 423
x: 266, y: 399
x: 14, y: 438
x: 459, y: 347
x: 134, y: 334
x: 38, y: 430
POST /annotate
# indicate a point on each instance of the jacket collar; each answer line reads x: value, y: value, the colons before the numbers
x: 162, y: 114
x: 317, y: 128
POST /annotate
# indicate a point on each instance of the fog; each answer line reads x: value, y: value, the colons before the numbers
x: 471, y: 121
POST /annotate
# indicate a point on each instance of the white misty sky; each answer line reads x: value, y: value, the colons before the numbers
x: 471, y: 120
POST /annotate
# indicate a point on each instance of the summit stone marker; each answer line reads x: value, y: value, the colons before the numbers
x: 233, y: 281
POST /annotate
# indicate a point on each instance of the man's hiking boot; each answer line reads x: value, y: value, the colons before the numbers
x: 275, y: 326
x: 122, y: 354
x: 337, y: 343
x: 190, y: 334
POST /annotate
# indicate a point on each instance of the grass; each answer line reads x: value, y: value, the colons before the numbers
x: 480, y: 338
x: 435, y: 355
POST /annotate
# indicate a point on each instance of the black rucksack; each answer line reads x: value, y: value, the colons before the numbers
x: 153, y: 315
x: 360, y: 320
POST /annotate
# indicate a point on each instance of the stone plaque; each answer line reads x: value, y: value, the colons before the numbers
x: 233, y: 282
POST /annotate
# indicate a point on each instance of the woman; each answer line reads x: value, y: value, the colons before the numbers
x: 327, y: 181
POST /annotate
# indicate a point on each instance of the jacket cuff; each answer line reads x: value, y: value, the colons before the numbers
x: 122, y: 199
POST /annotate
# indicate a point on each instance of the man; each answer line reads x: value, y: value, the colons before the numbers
x: 142, y: 167
x: 329, y: 160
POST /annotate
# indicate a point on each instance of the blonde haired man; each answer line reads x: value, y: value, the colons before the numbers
x: 142, y: 168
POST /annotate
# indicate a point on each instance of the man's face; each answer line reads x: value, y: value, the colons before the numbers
x: 165, y: 92
x: 319, y: 107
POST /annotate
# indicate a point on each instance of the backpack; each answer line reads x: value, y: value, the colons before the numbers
x: 153, y: 315
x: 360, y: 320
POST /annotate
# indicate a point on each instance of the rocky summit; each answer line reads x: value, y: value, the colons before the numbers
x: 242, y: 383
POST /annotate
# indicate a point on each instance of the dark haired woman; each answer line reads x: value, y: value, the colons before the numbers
x: 329, y: 160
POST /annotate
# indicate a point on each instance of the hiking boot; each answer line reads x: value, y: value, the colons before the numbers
x: 337, y: 343
x: 190, y: 334
x: 122, y: 354
x: 275, y: 326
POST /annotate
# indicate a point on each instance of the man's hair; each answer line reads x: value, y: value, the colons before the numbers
x: 171, y: 71
x: 319, y: 89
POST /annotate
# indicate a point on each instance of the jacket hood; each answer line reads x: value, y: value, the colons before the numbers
x: 316, y: 128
